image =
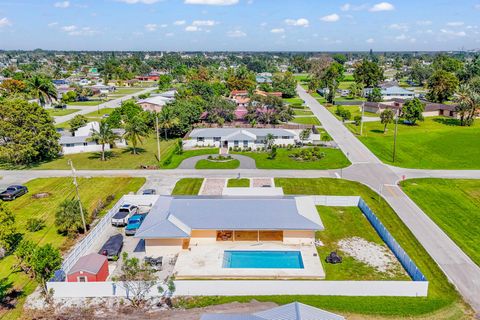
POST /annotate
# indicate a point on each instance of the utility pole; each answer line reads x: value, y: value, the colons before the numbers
x: 75, y: 183
x: 395, y: 137
x: 361, y: 122
x: 158, y: 137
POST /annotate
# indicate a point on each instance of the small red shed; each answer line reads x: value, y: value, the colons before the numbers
x: 90, y: 268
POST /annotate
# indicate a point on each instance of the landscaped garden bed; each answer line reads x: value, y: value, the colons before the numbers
x: 218, y: 162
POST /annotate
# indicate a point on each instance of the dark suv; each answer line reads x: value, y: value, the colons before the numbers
x: 13, y: 192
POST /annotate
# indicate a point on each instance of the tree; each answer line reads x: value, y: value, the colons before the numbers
x: 446, y: 63
x: 331, y: 79
x: 128, y: 110
x: 45, y: 261
x: 355, y: 90
x: 240, y: 79
x: 468, y: 99
x: 420, y: 73
x: 340, y: 58
x: 285, y: 83
x: 77, y: 122
x: 5, y: 286
x: 9, y: 236
x: 369, y: 73
x: 164, y: 82
x: 313, y: 84
x: 375, y: 95
x: 304, y: 134
x: 69, y: 96
x: 386, y: 117
x: 269, y: 140
x: 412, y: 111
x: 441, y: 86
x: 138, y: 278
x: 135, y: 130
x: 167, y: 119
x: 42, y: 89
x: 12, y: 86
x: 103, y: 136
x: 27, y: 133
x: 220, y: 110
x: 68, y: 218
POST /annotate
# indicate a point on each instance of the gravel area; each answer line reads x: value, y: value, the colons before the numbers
x: 261, y: 182
x: 213, y: 187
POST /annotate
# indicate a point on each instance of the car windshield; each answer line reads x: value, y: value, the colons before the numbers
x: 11, y: 189
x: 134, y: 221
x: 124, y: 210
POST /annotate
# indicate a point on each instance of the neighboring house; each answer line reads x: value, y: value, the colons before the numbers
x: 291, y: 311
x: 175, y: 223
x: 264, y: 77
x: 80, y: 141
x: 154, y: 104
x: 90, y: 268
x: 431, y: 109
x: 152, y: 76
x: 101, y: 88
x: 242, y: 138
x: 392, y: 92
x: 264, y: 93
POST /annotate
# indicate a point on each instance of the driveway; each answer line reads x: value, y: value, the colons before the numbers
x: 245, y: 162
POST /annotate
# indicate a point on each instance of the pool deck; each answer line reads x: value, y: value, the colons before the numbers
x: 205, y: 261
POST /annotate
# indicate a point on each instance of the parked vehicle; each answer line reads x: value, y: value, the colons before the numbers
x: 13, y: 192
x: 155, y: 263
x: 149, y: 192
x: 60, y: 106
x: 120, y: 219
x: 112, y: 247
x: 133, y: 224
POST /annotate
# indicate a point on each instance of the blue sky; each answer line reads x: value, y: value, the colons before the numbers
x: 259, y: 25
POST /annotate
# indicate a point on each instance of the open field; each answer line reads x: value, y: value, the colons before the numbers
x: 207, y: 164
x: 454, y: 205
x: 443, y: 301
x: 238, y: 183
x: 87, y: 103
x: 60, y: 112
x: 92, y: 191
x: 306, y: 120
x: 187, y: 187
x: 334, y: 158
x: 436, y: 143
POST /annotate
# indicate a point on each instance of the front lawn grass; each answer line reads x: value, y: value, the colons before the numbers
x: 60, y: 112
x: 176, y: 159
x: 354, y: 110
x: 334, y: 158
x: 306, y: 120
x: 97, y: 115
x: 187, y: 187
x: 238, y: 183
x: 125, y: 91
x: 454, y: 206
x: 208, y: 164
x: 87, y: 103
x: 92, y: 192
x: 293, y: 101
x: 436, y: 143
x: 300, y: 112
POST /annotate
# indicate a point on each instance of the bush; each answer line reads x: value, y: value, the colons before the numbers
x: 309, y: 154
x: 357, y: 120
x: 273, y: 153
x: 35, y: 224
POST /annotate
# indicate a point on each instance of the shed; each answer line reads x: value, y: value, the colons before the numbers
x: 90, y: 268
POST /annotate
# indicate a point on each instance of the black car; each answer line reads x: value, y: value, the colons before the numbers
x: 149, y: 191
x: 112, y: 247
x: 13, y: 192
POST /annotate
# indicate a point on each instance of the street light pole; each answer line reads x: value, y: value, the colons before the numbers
x: 75, y: 183
x: 395, y: 137
x: 361, y: 121
x: 158, y: 137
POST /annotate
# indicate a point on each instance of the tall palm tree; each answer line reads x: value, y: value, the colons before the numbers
x: 468, y: 103
x: 42, y: 88
x: 103, y: 136
x: 135, y: 130
x: 167, y: 119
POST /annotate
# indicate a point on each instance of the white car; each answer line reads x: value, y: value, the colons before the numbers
x: 120, y: 219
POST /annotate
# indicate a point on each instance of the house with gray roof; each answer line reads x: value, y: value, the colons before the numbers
x: 175, y: 223
x: 291, y: 311
x: 253, y: 138
x: 392, y: 92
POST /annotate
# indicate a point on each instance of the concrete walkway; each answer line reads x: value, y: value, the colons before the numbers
x: 245, y: 162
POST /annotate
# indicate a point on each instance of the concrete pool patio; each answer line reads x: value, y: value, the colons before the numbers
x: 205, y: 261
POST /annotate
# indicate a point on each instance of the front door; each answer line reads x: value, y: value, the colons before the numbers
x: 185, y: 244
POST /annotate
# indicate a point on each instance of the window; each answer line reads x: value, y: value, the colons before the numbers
x: 245, y: 143
x: 216, y: 139
x: 235, y: 143
x: 200, y: 139
x: 82, y: 279
x: 85, y: 144
x: 285, y: 137
x: 70, y: 145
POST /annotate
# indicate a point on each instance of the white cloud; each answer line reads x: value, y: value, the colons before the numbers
x: 330, y: 18
x: 404, y: 37
x: 370, y: 40
x: 179, y: 22
x: 382, y: 6
x: 73, y: 30
x: 302, y: 22
x: 453, y: 33
x: 212, y: 2
x: 62, y: 4
x: 151, y: 27
x: 455, y: 23
x: 263, y: 24
x: 477, y: 6
x: 139, y: 1
x: 236, y: 34
x: 346, y: 7
x: 192, y: 29
x: 52, y: 24
x: 399, y: 26
x: 424, y: 22
x: 4, y: 22
x: 69, y: 28
x: 169, y: 34
x: 277, y: 30
x: 204, y: 23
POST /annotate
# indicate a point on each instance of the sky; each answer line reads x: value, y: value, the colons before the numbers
x: 240, y: 25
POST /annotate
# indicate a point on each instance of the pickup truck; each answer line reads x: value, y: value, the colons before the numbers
x: 133, y: 224
x: 13, y: 192
x: 120, y: 219
x: 112, y: 247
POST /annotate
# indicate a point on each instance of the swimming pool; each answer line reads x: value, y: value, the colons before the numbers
x: 263, y: 259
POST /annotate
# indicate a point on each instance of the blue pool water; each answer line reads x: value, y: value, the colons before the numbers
x: 263, y: 259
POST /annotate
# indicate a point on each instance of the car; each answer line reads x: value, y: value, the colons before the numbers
x: 106, y: 115
x: 133, y: 224
x: 60, y: 106
x: 120, y: 219
x: 149, y: 192
x: 112, y: 247
x: 13, y: 192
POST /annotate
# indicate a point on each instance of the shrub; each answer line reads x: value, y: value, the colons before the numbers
x: 35, y: 224
x: 357, y: 120
x: 273, y: 153
x: 309, y: 154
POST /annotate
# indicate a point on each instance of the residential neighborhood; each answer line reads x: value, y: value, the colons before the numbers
x: 234, y: 159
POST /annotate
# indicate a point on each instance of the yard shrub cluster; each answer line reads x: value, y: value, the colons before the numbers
x: 219, y: 158
x: 308, y: 154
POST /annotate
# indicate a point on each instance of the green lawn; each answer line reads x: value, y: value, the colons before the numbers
x: 207, y: 164
x: 176, y: 159
x: 300, y: 112
x: 432, y: 144
x: 354, y: 110
x: 306, y: 120
x: 238, y: 183
x: 92, y: 191
x: 454, y: 205
x: 293, y: 100
x: 87, y: 103
x: 346, y: 222
x: 97, y: 114
x: 60, y: 112
x: 125, y: 91
x: 334, y: 158
x: 187, y: 187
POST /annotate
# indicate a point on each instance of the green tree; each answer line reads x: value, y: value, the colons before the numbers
x: 69, y: 96
x: 304, y: 134
x: 135, y: 130
x: 331, y: 79
x: 27, y: 133
x: 128, y: 110
x: 386, y: 117
x: 375, y: 95
x: 5, y: 287
x: 441, y: 86
x: 42, y: 88
x: 369, y: 73
x: 340, y: 58
x: 103, y: 136
x: 167, y: 119
x: 240, y: 79
x: 285, y: 83
x: 269, y: 140
x: 448, y: 64
x: 77, y: 122
x: 45, y: 261
x: 412, y: 111
x: 468, y: 104
x: 164, y: 82
x: 220, y: 110
x: 355, y: 90
x: 9, y: 235
x: 68, y: 218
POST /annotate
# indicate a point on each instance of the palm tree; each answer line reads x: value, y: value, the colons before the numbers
x: 468, y: 103
x: 103, y: 136
x: 135, y: 130
x: 42, y: 88
x: 269, y: 139
x: 167, y: 119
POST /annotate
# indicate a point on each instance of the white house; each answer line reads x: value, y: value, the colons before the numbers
x: 80, y: 141
x: 154, y: 104
x: 392, y: 92
x: 242, y: 137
